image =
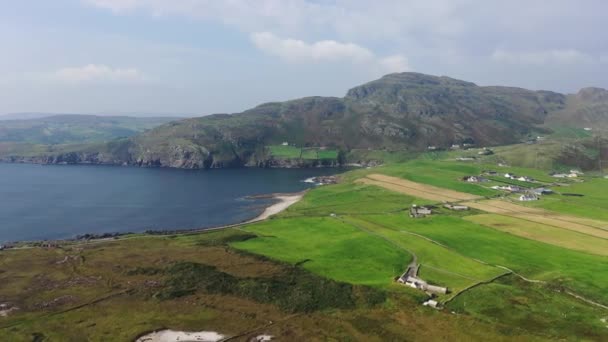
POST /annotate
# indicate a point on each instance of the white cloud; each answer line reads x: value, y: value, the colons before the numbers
x: 298, y: 51
x: 541, y: 57
x: 97, y: 73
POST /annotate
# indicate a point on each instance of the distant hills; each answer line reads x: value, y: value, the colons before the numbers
x: 37, y: 128
x: 405, y: 111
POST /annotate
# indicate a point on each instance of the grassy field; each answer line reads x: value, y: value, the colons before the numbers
x: 544, y: 233
x: 293, y: 152
x: 524, y: 306
x: 330, y: 248
x: 290, y: 152
x: 593, y: 204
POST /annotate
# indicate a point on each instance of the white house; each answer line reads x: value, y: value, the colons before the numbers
x: 525, y: 179
x: 509, y: 175
x: 528, y: 197
x: 285, y: 143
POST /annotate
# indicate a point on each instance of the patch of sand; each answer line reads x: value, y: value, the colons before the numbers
x: 181, y: 336
x: 285, y: 201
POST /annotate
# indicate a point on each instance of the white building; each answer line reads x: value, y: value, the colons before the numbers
x: 528, y: 198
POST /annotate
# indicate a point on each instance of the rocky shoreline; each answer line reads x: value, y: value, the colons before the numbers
x: 96, y: 159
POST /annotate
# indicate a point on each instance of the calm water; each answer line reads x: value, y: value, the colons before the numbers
x: 52, y: 202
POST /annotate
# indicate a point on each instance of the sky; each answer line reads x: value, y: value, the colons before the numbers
x: 198, y: 57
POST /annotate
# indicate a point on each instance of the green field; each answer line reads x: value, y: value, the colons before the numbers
x: 541, y: 232
x: 281, y: 151
x: 293, y: 152
x: 594, y: 203
x: 330, y: 248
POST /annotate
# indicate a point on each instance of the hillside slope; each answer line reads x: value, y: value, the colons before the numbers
x: 405, y: 111
x: 587, y: 108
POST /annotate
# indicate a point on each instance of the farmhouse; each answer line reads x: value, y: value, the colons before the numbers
x: 542, y: 191
x: 525, y: 179
x: 559, y: 175
x: 489, y: 172
x: 417, y: 212
x: 472, y: 179
x: 456, y: 207
x: 510, y: 188
x: 528, y: 197
x: 485, y: 152
x: 432, y: 303
x: 510, y: 175
x: 285, y: 143
x: 417, y: 283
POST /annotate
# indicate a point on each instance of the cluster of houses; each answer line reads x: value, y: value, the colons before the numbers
x: 526, y: 194
x: 512, y: 176
x: 571, y: 174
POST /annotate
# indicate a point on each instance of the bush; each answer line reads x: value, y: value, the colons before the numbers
x: 296, y: 290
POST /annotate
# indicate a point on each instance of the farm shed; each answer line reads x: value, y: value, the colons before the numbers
x: 416, y: 211
x: 456, y: 207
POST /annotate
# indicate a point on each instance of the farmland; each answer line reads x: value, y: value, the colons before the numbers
x: 293, y: 152
x: 325, y: 268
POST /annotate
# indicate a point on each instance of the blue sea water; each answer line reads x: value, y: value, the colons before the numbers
x: 62, y: 201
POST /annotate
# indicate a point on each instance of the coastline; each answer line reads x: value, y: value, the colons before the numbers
x: 283, y: 201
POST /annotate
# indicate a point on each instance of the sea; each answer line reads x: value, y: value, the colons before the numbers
x: 45, y: 202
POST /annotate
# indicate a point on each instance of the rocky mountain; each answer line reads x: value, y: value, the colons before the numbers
x: 405, y: 111
x: 587, y: 108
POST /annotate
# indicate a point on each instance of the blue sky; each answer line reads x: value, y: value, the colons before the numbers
x: 206, y: 56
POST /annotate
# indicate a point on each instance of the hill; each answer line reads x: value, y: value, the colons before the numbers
x: 587, y: 108
x: 75, y: 128
x: 398, y: 112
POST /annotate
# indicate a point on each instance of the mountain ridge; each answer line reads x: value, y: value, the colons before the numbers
x: 403, y: 111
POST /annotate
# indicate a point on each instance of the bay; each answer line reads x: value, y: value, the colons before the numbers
x: 62, y: 201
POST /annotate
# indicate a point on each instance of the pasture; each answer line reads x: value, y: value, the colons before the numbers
x: 307, y: 153
x: 542, y: 232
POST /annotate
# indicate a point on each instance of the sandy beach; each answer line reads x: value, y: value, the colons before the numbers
x: 285, y: 201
